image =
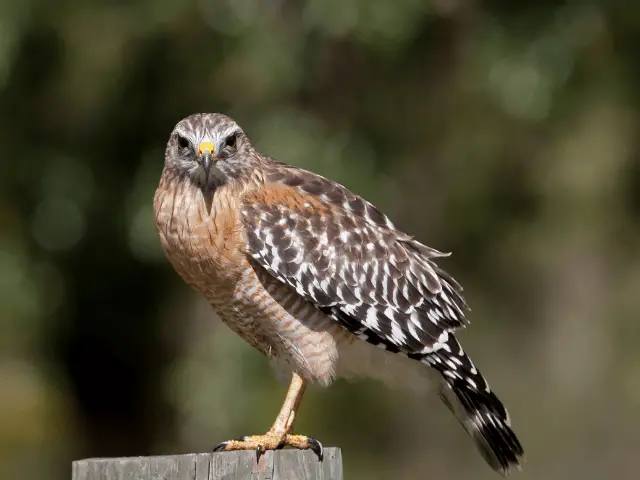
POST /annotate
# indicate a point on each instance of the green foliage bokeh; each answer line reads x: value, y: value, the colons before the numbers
x: 505, y: 132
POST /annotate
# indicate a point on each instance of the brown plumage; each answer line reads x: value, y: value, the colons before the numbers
x: 315, y: 277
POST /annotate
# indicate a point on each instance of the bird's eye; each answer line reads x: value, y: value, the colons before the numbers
x: 183, y: 142
x: 230, y: 143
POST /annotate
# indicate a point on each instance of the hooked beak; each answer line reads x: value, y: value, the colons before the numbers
x: 206, y: 157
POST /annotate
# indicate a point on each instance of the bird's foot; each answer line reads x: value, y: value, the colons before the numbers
x: 271, y: 441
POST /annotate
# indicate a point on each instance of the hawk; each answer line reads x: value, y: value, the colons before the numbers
x: 317, y: 279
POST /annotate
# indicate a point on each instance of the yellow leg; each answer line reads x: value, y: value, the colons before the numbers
x: 284, y: 420
x: 279, y: 434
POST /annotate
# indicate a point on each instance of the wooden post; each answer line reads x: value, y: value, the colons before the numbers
x: 239, y: 465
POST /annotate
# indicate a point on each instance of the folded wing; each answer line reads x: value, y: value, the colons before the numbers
x: 343, y: 255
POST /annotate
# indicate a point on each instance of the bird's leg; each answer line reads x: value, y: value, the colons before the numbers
x: 279, y: 434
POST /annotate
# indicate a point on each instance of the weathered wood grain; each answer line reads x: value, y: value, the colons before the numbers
x: 241, y: 465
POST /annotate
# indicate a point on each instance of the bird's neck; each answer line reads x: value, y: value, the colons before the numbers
x: 200, y: 226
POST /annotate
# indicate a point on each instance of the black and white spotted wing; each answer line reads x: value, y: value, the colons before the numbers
x: 345, y: 256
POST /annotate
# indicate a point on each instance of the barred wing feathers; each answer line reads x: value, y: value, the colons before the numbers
x: 341, y: 253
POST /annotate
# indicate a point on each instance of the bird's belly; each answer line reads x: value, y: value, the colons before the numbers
x: 273, y: 318
x: 266, y: 313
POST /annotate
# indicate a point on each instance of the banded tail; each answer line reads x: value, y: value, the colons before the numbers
x: 466, y: 393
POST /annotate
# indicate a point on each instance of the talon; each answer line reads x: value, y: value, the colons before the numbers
x: 272, y: 441
x: 316, y: 447
x: 220, y: 447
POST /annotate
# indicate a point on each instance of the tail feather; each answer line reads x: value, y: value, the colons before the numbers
x: 487, y: 425
x: 467, y: 394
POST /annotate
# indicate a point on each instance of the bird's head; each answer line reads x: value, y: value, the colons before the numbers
x: 211, y: 150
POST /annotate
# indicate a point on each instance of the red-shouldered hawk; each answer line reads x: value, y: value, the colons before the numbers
x: 314, y: 277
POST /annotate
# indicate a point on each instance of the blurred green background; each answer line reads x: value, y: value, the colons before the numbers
x: 506, y: 132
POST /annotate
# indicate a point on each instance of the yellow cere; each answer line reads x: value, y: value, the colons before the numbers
x: 206, y: 147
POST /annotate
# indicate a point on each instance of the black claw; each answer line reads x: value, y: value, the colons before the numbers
x: 259, y: 451
x: 316, y: 447
x: 220, y: 447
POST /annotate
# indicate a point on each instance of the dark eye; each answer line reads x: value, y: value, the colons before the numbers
x: 183, y: 142
x: 230, y: 143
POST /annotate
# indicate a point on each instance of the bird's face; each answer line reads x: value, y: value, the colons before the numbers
x: 210, y: 149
